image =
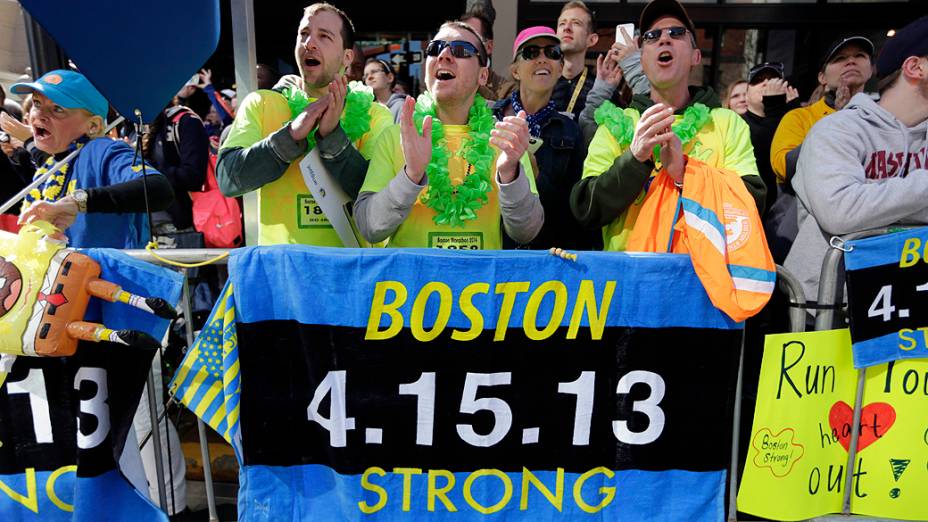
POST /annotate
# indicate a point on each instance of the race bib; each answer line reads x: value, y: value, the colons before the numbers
x: 456, y: 240
x: 309, y: 213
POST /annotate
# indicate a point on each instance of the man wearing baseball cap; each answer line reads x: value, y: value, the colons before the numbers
x: 865, y: 166
x: 98, y: 199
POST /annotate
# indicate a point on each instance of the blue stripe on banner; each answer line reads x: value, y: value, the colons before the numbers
x: 704, y: 214
x: 886, y: 348
x: 107, y: 496
x: 749, y: 272
x: 883, y: 250
x: 316, y: 492
x: 649, y: 290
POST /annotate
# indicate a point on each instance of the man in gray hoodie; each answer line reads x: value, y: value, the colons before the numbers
x: 866, y: 166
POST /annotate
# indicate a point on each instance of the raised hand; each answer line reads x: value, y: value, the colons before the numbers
x: 655, y: 122
x: 206, y: 77
x: 307, y: 121
x: 626, y: 47
x: 511, y: 138
x: 842, y: 96
x: 608, y: 70
x: 417, y: 148
x: 338, y: 90
x: 14, y: 128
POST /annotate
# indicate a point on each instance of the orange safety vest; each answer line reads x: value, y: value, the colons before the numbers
x: 713, y: 219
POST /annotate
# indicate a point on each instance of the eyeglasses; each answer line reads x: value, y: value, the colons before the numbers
x: 654, y: 35
x: 530, y: 52
x: 459, y: 49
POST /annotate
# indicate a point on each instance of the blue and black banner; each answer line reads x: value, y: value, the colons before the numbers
x: 64, y: 421
x: 887, y: 285
x: 516, y: 385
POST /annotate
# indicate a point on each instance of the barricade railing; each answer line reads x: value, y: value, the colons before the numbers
x: 165, y: 258
x: 830, y: 299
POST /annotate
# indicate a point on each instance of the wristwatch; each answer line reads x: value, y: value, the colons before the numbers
x: 80, y: 197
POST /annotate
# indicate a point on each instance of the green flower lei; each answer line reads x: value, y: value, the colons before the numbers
x: 356, y: 118
x: 455, y: 204
x: 623, y: 130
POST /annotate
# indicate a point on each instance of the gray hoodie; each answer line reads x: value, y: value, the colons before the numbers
x: 860, y: 168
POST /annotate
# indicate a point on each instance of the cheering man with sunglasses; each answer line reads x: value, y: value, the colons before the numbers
x: 274, y: 129
x: 450, y: 176
x: 687, y: 124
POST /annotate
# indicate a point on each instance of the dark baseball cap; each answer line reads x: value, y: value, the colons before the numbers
x: 658, y: 8
x: 838, y: 44
x: 774, y: 67
x: 911, y: 40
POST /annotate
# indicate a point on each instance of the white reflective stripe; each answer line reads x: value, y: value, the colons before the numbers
x: 753, y: 285
x: 710, y: 232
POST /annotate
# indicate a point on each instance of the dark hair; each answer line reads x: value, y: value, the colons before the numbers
x: 580, y: 5
x: 485, y: 22
x: 481, y: 45
x: 385, y: 66
x: 347, y: 25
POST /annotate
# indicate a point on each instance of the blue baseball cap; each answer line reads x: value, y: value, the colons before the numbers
x: 911, y: 40
x: 71, y: 90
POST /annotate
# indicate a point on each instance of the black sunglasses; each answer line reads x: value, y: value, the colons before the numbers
x: 459, y: 49
x: 530, y: 52
x: 655, y: 34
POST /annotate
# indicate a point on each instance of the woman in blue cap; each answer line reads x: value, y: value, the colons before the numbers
x: 99, y: 197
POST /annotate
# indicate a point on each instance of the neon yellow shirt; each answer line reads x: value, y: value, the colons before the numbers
x: 287, y: 212
x: 724, y: 141
x: 419, y: 230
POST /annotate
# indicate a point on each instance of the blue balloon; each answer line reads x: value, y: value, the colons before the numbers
x: 137, y: 54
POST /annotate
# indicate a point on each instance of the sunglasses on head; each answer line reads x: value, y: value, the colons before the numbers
x: 655, y: 34
x: 459, y: 49
x: 530, y: 52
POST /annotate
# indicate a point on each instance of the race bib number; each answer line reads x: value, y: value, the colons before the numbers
x: 309, y: 214
x: 456, y: 240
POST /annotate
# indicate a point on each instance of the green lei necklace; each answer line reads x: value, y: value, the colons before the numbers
x: 356, y: 118
x: 622, y: 128
x: 455, y: 204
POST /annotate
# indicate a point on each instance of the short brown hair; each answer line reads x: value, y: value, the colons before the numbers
x: 347, y: 25
x: 889, y: 81
x: 577, y: 4
x: 481, y: 45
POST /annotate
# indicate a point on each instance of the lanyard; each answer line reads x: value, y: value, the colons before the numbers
x: 577, y: 89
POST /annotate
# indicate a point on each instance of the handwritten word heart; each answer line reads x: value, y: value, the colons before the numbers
x: 875, y: 420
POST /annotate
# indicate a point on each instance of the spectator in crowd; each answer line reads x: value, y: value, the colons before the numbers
x: 267, y: 76
x: 223, y: 109
x: 379, y: 76
x: 99, y: 199
x: 736, y: 97
x: 355, y: 72
x: 866, y: 166
x: 618, y: 77
x: 434, y: 188
x: 481, y: 16
x: 621, y: 161
x: 272, y: 133
x: 16, y: 163
x: 178, y: 146
x: 769, y: 97
x: 845, y: 69
x: 555, y: 144
x: 577, y: 30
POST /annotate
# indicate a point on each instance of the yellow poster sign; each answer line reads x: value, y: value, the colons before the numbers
x: 798, y: 450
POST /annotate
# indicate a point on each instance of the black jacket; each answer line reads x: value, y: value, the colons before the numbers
x: 184, y: 163
x: 762, y: 131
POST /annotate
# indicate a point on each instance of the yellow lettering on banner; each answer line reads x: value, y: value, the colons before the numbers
x: 407, y: 474
x: 380, y: 307
x: 507, y: 489
x: 366, y: 483
x: 608, y: 492
x: 509, y: 291
x: 904, y: 336
x: 416, y: 322
x: 910, y: 254
x: 556, y: 499
x: 50, y: 488
x: 531, y: 310
x: 440, y: 493
x: 470, y: 311
x: 31, y: 499
x: 586, y: 300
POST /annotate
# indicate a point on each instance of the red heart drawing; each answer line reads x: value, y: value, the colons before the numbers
x: 875, y: 420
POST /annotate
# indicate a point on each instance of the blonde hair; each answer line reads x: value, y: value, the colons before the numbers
x: 728, y: 90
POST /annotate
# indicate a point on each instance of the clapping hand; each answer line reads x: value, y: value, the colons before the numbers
x: 417, y: 148
x: 338, y: 91
x: 307, y: 121
x: 511, y: 138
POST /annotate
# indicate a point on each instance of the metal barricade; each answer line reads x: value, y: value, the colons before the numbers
x: 181, y: 256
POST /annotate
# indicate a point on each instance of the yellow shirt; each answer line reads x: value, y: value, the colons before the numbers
x: 791, y: 131
x: 419, y: 230
x: 287, y: 212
